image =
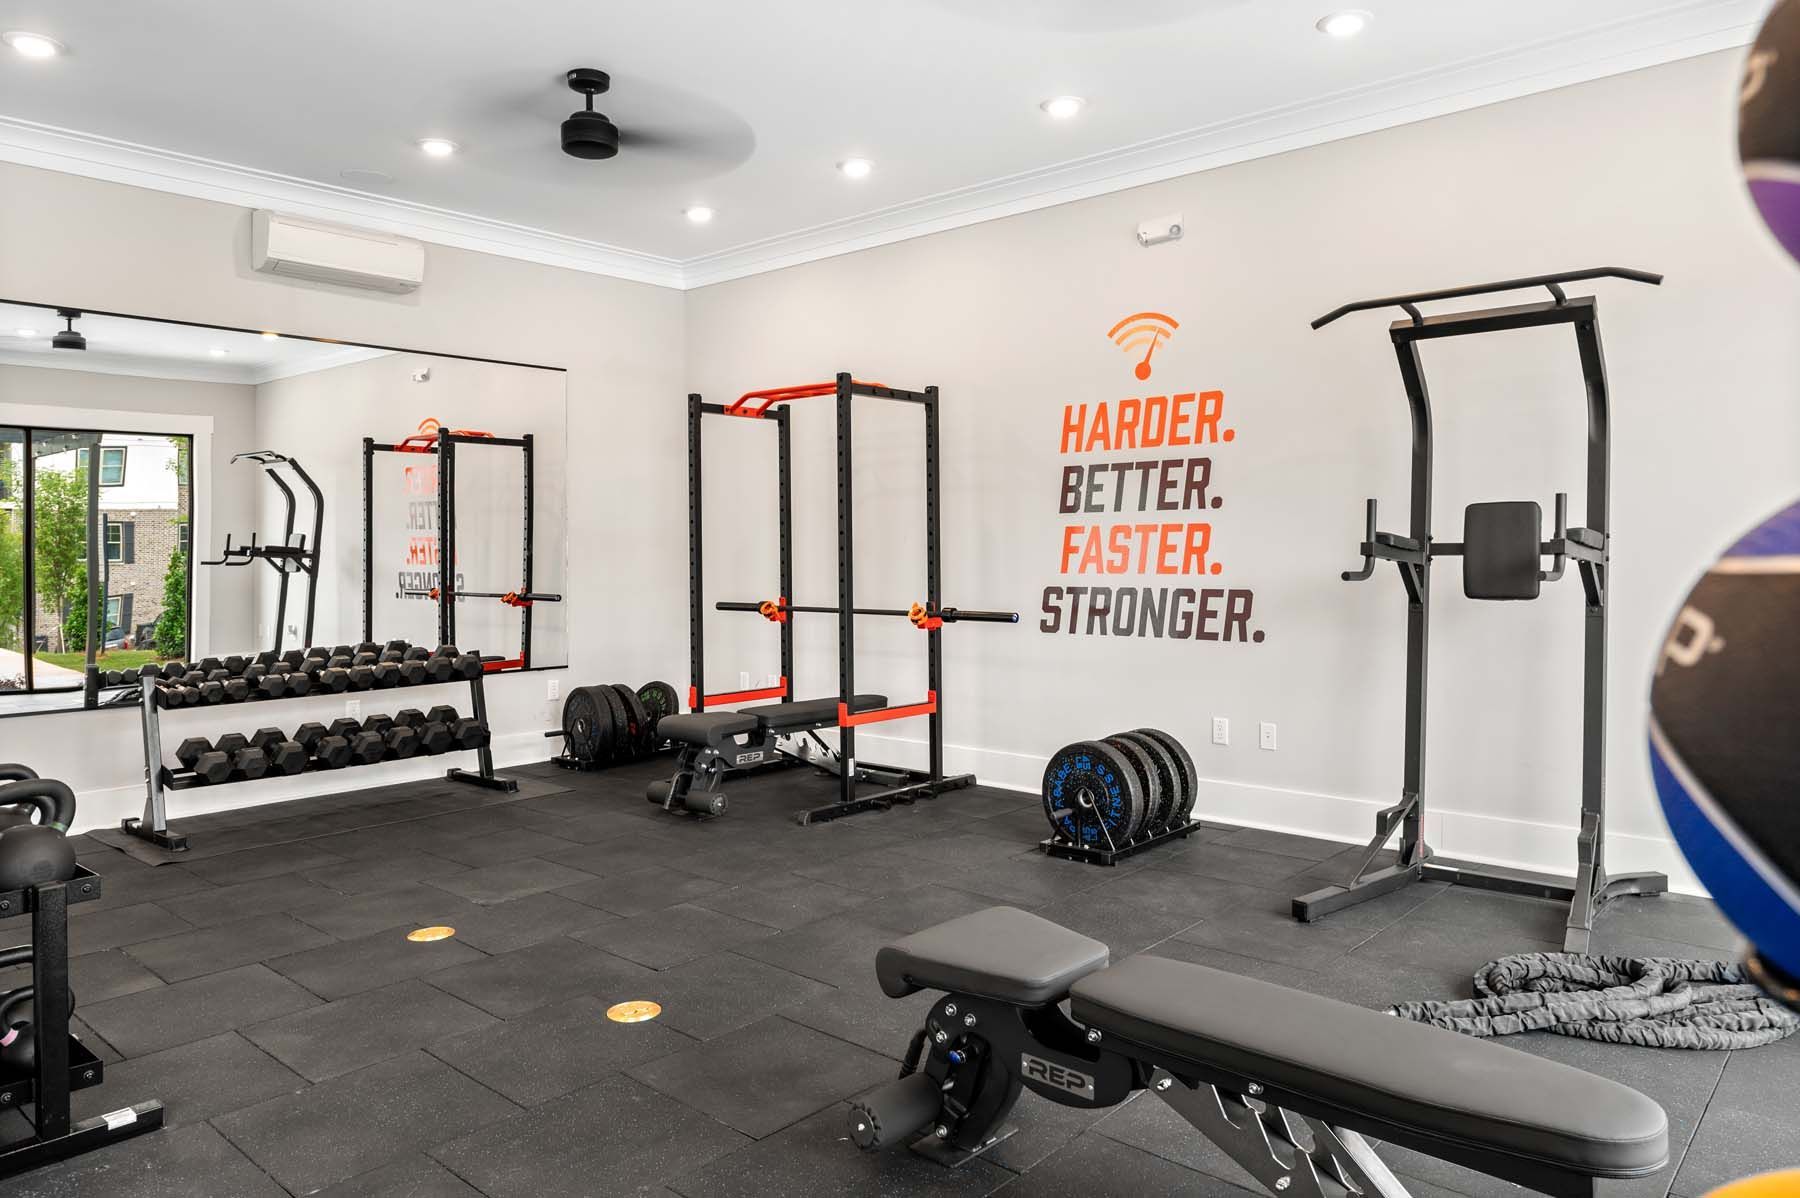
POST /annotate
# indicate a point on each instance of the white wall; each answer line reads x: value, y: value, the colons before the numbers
x: 94, y: 245
x: 1010, y: 319
x: 219, y: 414
x: 320, y: 419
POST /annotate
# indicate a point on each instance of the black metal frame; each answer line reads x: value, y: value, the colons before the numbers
x: 899, y: 785
x: 153, y: 825
x: 1110, y: 854
x: 289, y: 557
x: 1592, y: 887
x: 445, y: 452
x: 64, y: 1064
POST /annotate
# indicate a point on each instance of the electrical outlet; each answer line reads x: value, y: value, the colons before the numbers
x: 1267, y: 740
x: 743, y: 680
x: 555, y: 688
x: 353, y: 709
x: 1221, y: 730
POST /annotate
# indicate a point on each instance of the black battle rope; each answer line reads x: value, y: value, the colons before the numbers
x: 1656, y: 1002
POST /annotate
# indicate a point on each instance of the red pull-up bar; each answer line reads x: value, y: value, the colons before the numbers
x: 775, y: 395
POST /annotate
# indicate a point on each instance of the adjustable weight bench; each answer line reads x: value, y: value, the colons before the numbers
x: 1288, y: 1083
x: 714, y: 743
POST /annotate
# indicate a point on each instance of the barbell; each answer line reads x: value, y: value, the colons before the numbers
x: 922, y: 616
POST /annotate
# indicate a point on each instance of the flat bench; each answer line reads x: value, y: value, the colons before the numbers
x: 1217, y: 1047
x: 715, y: 743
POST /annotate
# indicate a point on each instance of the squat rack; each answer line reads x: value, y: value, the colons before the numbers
x: 442, y: 444
x: 1592, y: 887
x: 770, y: 406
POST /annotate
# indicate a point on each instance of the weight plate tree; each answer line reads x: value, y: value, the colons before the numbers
x: 1149, y: 785
x: 1190, y: 787
x: 587, y: 722
x: 1091, y: 795
x: 1169, y: 781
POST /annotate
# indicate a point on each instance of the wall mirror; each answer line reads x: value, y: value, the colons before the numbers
x: 171, y: 491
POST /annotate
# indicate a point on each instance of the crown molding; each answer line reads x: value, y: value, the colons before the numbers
x: 1667, y: 34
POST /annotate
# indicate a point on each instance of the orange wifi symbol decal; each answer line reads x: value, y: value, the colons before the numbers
x: 1146, y: 331
x: 429, y: 426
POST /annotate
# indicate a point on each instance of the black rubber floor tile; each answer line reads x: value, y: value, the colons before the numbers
x: 194, y: 1082
x: 558, y: 1049
x: 1490, y: 911
x: 1466, y: 948
x: 225, y: 946
x: 1094, y: 1164
x: 1735, y: 1144
x: 879, y: 871
x: 340, y: 1037
x: 783, y: 901
x: 510, y: 880
x: 859, y: 1012
x: 95, y: 977
x: 1032, y: 881
x: 350, y: 917
x: 1150, y: 1124
x: 523, y: 922
x: 642, y: 891
x: 1233, y: 863
x: 557, y: 970
x: 388, y: 872
x: 968, y: 849
x: 1286, y: 844
x: 614, y: 1137
x: 152, y: 1020
x: 1278, y: 938
x: 814, y: 1157
x: 268, y: 862
x: 736, y: 864
x: 121, y: 926
x: 661, y: 939
x: 378, y: 844
x: 492, y: 848
x: 120, y: 887
x: 353, y: 966
x: 95, y: 1042
x: 177, y: 1162
x: 240, y: 900
x: 1025, y: 825
x: 723, y: 991
x: 1671, y: 917
x: 360, y: 1121
x: 627, y: 850
x: 839, y: 949
x: 415, y: 1176
x: 1124, y: 927
x: 1044, y: 1127
x: 760, y: 1078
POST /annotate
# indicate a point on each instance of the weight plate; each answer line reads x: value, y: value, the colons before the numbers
x: 622, y: 748
x: 637, y: 720
x: 1168, y: 777
x: 1184, y: 808
x: 1091, y: 795
x: 587, y: 720
x: 659, y: 699
x: 1149, y: 782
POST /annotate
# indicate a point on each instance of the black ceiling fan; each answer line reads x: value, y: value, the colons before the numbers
x: 589, y: 134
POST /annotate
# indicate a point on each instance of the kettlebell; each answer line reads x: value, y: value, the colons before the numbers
x: 31, y: 854
x: 18, y: 1046
x: 12, y: 817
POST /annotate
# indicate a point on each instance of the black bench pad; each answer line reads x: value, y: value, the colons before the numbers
x: 808, y: 713
x: 1000, y: 953
x: 1427, y: 1079
x: 705, y: 727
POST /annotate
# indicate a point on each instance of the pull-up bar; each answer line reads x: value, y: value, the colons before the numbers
x: 774, y: 395
x: 918, y: 613
x: 1553, y: 282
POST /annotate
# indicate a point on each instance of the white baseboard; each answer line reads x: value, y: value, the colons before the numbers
x: 104, y: 808
x: 1462, y: 835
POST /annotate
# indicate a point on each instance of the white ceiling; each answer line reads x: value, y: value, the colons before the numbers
x: 746, y: 107
x: 158, y: 349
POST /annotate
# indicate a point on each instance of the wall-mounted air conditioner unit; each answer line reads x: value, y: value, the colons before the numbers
x: 309, y: 249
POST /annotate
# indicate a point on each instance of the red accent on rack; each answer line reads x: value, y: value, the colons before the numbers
x: 732, y: 697
x: 511, y: 663
x: 775, y: 395
x: 847, y: 719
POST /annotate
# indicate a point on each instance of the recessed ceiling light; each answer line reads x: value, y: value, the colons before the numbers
x: 24, y: 332
x: 270, y: 336
x: 1063, y: 107
x: 218, y: 351
x: 32, y: 45
x: 699, y: 213
x: 437, y: 147
x: 1346, y: 23
x: 856, y: 168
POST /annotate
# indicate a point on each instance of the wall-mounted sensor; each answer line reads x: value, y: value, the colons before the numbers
x: 422, y: 375
x: 1160, y: 229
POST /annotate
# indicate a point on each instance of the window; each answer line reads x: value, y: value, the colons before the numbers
x: 183, y: 539
x: 112, y: 464
x: 115, y: 612
x: 121, y: 541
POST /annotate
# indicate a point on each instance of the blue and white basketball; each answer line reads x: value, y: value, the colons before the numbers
x: 1769, y: 124
x: 1725, y: 735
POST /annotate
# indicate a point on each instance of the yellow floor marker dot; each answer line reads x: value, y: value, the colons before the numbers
x: 426, y: 935
x: 638, y: 1011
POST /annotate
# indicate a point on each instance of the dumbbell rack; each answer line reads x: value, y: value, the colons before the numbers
x: 153, y: 825
x: 64, y: 1064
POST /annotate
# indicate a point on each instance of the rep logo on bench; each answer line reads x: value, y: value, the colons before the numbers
x: 1048, y: 1073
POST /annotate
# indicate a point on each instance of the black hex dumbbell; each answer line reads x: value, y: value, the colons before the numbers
x: 365, y: 658
x: 379, y: 722
x: 387, y: 674
x: 293, y: 657
x: 208, y: 664
x: 272, y: 686
x: 468, y: 666
x: 446, y: 651
x: 334, y: 681
x: 212, y: 766
x: 267, y: 658
x: 231, y: 742
x: 391, y: 655
x: 150, y: 669
x: 237, y: 663
x: 212, y: 692
x: 409, y: 717
x: 443, y: 713
x: 318, y: 652
x: 249, y: 764
x: 237, y: 691
x: 440, y: 669
x: 267, y: 738
x: 469, y: 734
x: 366, y: 748
x: 412, y: 673
x: 416, y: 653
x: 287, y: 757
x: 189, y: 750
x: 361, y: 678
x: 310, y: 734
x: 332, y: 752
x: 298, y: 683
x: 345, y: 727
x: 340, y: 661
x: 402, y: 742
x: 342, y: 650
x: 435, y: 738
x: 396, y: 646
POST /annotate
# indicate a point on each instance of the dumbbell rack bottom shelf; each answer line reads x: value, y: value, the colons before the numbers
x: 64, y: 1064
x: 153, y: 825
x: 1056, y: 846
